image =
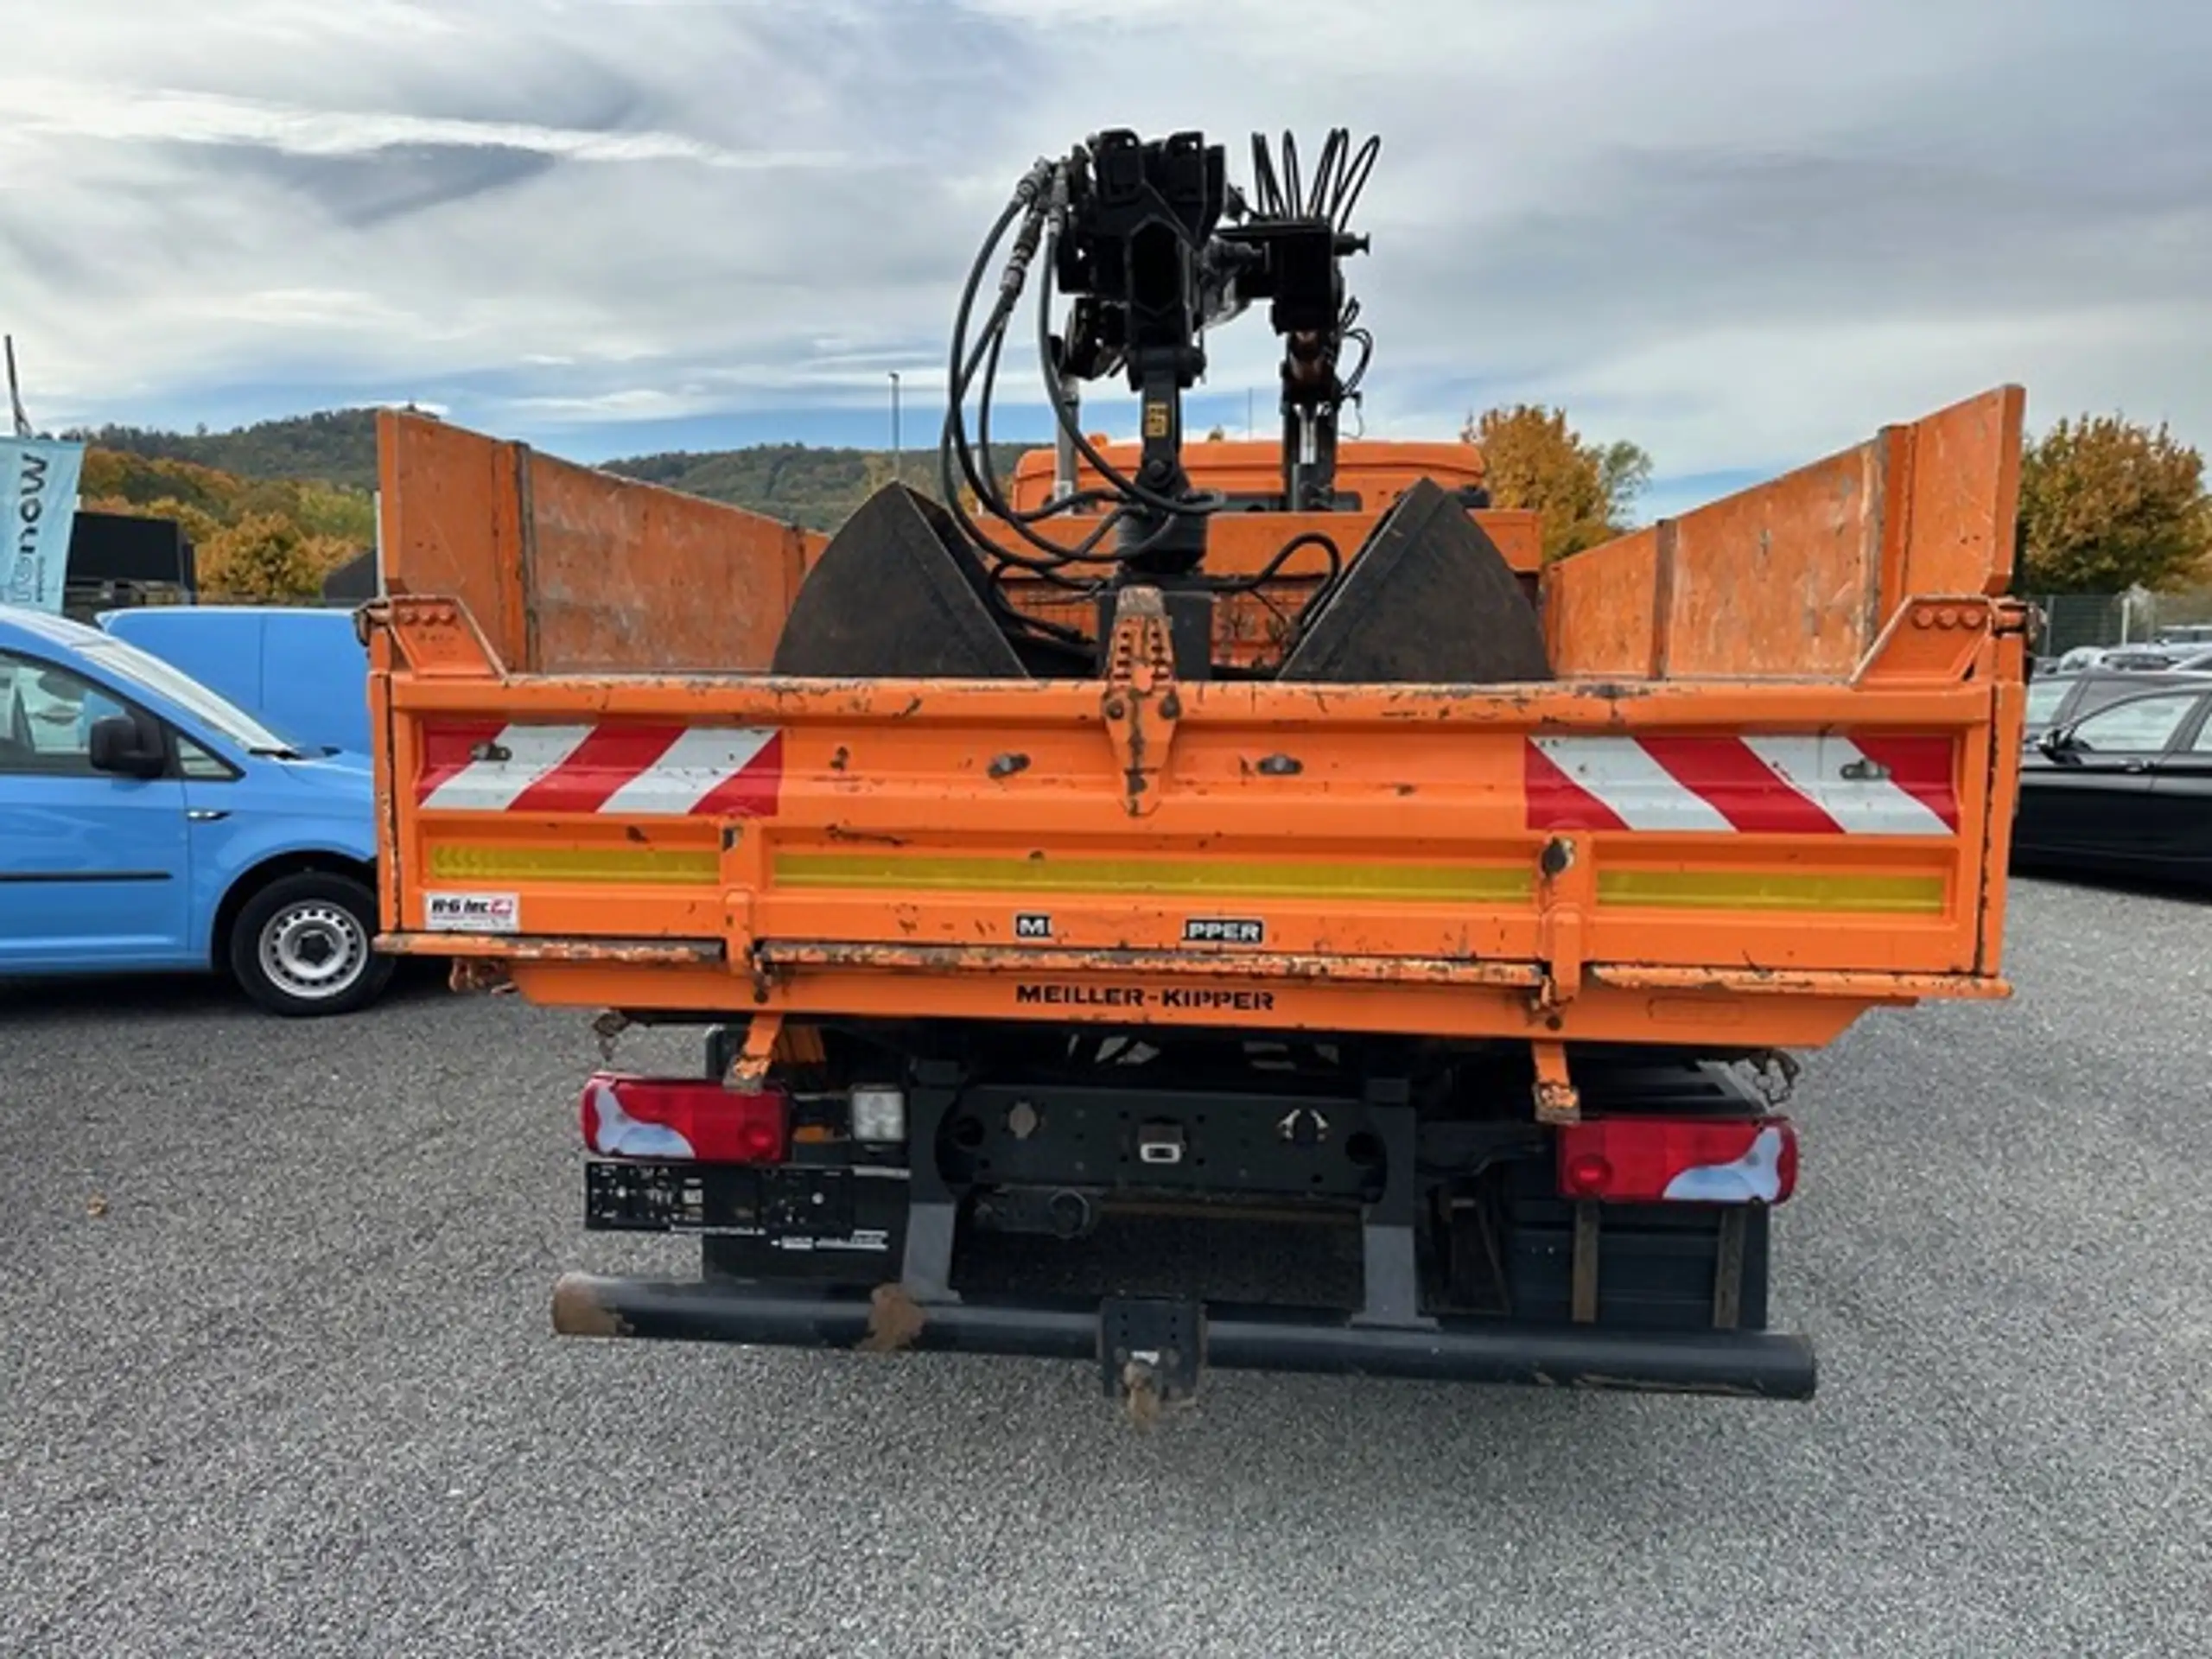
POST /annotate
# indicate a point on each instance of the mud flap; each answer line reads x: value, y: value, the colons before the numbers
x: 1430, y: 601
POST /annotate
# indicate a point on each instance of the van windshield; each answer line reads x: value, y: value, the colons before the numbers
x: 150, y: 673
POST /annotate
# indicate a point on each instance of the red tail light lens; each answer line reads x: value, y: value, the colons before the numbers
x: 1679, y: 1160
x: 1587, y: 1174
x: 684, y: 1118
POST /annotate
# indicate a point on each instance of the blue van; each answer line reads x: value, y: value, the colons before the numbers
x: 303, y: 672
x: 147, y: 823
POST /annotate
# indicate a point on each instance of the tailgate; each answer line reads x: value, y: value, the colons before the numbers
x: 1713, y: 836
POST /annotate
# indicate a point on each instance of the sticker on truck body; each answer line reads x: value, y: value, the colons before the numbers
x: 472, y: 912
x: 1829, y: 783
x: 1170, y: 999
x: 1223, y: 930
x: 613, y: 768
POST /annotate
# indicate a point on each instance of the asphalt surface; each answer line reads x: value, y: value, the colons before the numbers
x: 277, y: 1376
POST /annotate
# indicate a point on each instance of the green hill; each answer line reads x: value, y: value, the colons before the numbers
x: 816, y: 488
x: 337, y: 446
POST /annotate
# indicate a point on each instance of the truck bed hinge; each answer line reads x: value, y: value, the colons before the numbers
x: 1142, y: 702
x: 1565, y: 890
x: 1558, y: 1100
x: 434, y: 637
x: 1934, y: 640
x: 757, y: 1055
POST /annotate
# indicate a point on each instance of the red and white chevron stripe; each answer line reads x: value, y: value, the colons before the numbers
x: 1823, y: 785
x: 620, y: 769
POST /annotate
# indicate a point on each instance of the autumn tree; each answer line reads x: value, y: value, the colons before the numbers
x: 200, y: 526
x: 262, y: 557
x: 2108, y: 504
x: 1533, y: 458
x: 1624, y: 473
x: 265, y: 540
x: 113, y: 475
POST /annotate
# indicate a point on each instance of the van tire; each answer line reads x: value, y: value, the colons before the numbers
x: 300, y: 947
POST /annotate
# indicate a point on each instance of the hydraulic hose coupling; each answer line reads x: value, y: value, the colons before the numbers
x: 1031, y: 193
x: 1041, y: 173
x: 1016, y: 274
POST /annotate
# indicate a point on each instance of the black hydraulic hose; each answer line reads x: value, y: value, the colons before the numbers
x: 1322, y: 594
x: 1039, y: 200
x: 1332, y: 156
x: 955, y: 376
x: 1321, y: 539
x: 1054, y: 555
x: 1356, y: 177
x: 961, y: 372
x: 1366, y: 353
x: 953, y: 444
x: 988, y: 490
x: 1267, y: 193
x: 1127, y: 486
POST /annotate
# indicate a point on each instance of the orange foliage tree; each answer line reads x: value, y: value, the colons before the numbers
x: 1532, y: 458
x: 261, y: 558
x: 2108, y: 503
x: 267, y: 541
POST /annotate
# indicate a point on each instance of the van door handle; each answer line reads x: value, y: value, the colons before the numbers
x: 205, y: 814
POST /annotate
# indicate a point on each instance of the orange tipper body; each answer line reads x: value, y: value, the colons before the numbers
x: 1027, y: 996
x: 1771, y: 787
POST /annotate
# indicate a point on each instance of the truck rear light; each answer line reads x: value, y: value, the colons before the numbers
x: 1679, y: 1160
x: 684, y: 1117
x: 878, y: 1113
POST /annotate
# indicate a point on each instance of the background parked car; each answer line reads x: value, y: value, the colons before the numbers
x: 2192, y: 658
x: 2056, y: 701
x: 2126, y: 790
x: 302, y: 671
x: 147, y: 823
x: 2082, y: 657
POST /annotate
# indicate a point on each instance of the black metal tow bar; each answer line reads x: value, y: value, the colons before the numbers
x: 1760, y: 1364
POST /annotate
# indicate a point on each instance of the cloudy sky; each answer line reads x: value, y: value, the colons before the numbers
x: 1742, y: 232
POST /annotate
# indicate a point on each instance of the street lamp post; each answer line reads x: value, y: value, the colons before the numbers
x: 897, y: 470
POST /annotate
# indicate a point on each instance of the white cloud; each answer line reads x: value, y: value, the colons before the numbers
x: 65, y: 109
x: 1739, y: 233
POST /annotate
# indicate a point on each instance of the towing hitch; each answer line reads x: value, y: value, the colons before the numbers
x: 1150, y: 1352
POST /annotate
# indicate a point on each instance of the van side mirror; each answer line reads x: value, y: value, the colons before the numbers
x: 129, y: 747
x: 2059, y: 743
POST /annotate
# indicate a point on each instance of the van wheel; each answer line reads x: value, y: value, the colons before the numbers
x: 300, y: 946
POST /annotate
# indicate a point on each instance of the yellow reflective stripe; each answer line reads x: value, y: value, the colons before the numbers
x: 650, y: 865
x: 1751, y: 889
x: 1224, y: 877
x: 1917, y: 895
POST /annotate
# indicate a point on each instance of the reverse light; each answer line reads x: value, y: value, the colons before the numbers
x: 691, y: 1118
x: 878, y: 1113
x: 1679, y: 1160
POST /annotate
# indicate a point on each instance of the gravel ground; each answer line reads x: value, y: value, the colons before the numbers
x: 277, y: 1377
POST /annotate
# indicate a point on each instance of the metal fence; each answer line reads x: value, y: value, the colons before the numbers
x: 2074, y: 620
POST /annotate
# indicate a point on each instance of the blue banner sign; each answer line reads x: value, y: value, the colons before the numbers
x: 38, y: 497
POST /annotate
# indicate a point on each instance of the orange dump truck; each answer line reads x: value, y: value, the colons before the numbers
x: 1185, y: 1009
